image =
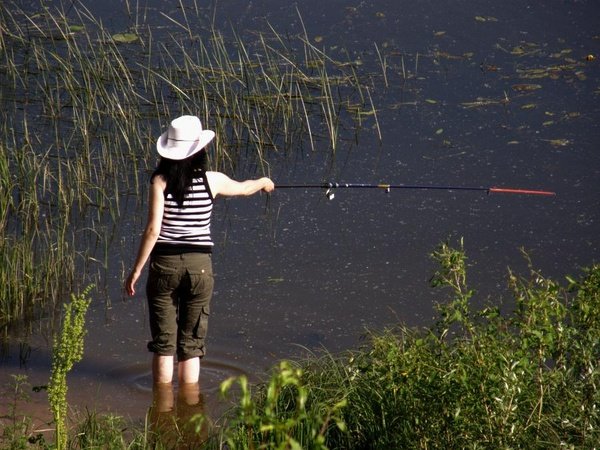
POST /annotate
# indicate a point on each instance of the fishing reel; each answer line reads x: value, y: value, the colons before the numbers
x: 329, y: 194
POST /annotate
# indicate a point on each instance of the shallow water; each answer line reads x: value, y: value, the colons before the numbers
x: 296, y: 272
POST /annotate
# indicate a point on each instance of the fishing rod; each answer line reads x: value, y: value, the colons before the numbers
x: 329, y: 187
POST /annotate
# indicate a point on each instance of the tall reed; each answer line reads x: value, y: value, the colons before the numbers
x: 80, y: 113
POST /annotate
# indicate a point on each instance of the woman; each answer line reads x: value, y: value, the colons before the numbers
x: 177, y: 240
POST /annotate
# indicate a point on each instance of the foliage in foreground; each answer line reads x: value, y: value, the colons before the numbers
x: 477, y: 379
x: 67, y: 350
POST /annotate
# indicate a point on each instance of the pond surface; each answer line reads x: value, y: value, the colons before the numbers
x: 472, y: 93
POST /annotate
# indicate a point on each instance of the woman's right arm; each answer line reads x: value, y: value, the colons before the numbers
x: 151, y: 232
x: 221, y: 184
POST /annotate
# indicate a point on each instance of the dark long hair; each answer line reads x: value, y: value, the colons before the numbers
x: 179, y: 174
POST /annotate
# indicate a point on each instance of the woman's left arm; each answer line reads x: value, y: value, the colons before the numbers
x: 151, y: 232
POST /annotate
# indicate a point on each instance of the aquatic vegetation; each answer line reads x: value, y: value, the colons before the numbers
x: 279, y: 416
x: 16, y: 428
x: 524, y: 379
x: 80, y: 108
x: 477, y: 377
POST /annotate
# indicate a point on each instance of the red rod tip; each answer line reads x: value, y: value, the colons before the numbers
x: 500, y: 190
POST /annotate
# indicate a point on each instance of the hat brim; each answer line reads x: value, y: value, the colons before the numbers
x: 178, y: 150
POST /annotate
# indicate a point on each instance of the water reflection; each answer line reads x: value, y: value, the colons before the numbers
x: 176, y: 421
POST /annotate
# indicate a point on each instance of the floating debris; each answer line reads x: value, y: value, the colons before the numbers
x: 485, y: 19
x: 274, y: 280
x: 524, y: 49
x: 482, y: 102
x: 488, y: 67
x: 562, y: 53
x: 446, y: 55
x: 526, y: 87
x: 558, y: 142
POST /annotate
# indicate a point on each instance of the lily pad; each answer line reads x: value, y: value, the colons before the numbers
x: 125, y: 38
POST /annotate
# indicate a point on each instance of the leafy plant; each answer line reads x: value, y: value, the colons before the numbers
x: 477, y: 378
x: 278, y: 416
x: 17, y: 432
x: 67, y: 350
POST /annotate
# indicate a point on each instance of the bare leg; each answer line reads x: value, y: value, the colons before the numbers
x: 189, y: 371
x: 162, y: 368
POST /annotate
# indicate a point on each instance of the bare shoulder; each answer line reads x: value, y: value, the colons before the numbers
x: 214, y: 176
x: 159, y: 181
x: 217, y: 181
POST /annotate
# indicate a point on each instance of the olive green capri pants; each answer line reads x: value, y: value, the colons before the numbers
x: 179, y: 290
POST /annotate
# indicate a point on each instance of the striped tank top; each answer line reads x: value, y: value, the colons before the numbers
x: 187, y: 229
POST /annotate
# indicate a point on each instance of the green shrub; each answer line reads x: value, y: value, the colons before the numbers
x: 476, y: 379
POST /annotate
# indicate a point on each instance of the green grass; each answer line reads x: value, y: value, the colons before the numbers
x: 81, y: 107
x: 477, y: 378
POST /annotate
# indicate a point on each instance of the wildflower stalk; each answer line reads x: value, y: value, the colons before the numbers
x: 67, y: 350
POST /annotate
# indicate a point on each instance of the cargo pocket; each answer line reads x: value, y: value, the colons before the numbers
x: 192, y: 344
x: 202, y: 327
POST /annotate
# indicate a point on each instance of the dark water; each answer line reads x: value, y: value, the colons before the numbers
x: 296, y: 272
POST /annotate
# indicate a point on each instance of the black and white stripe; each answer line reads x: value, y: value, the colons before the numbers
x: 189, y: 225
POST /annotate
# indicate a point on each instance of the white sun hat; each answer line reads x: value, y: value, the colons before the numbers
x: 184, y: 138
